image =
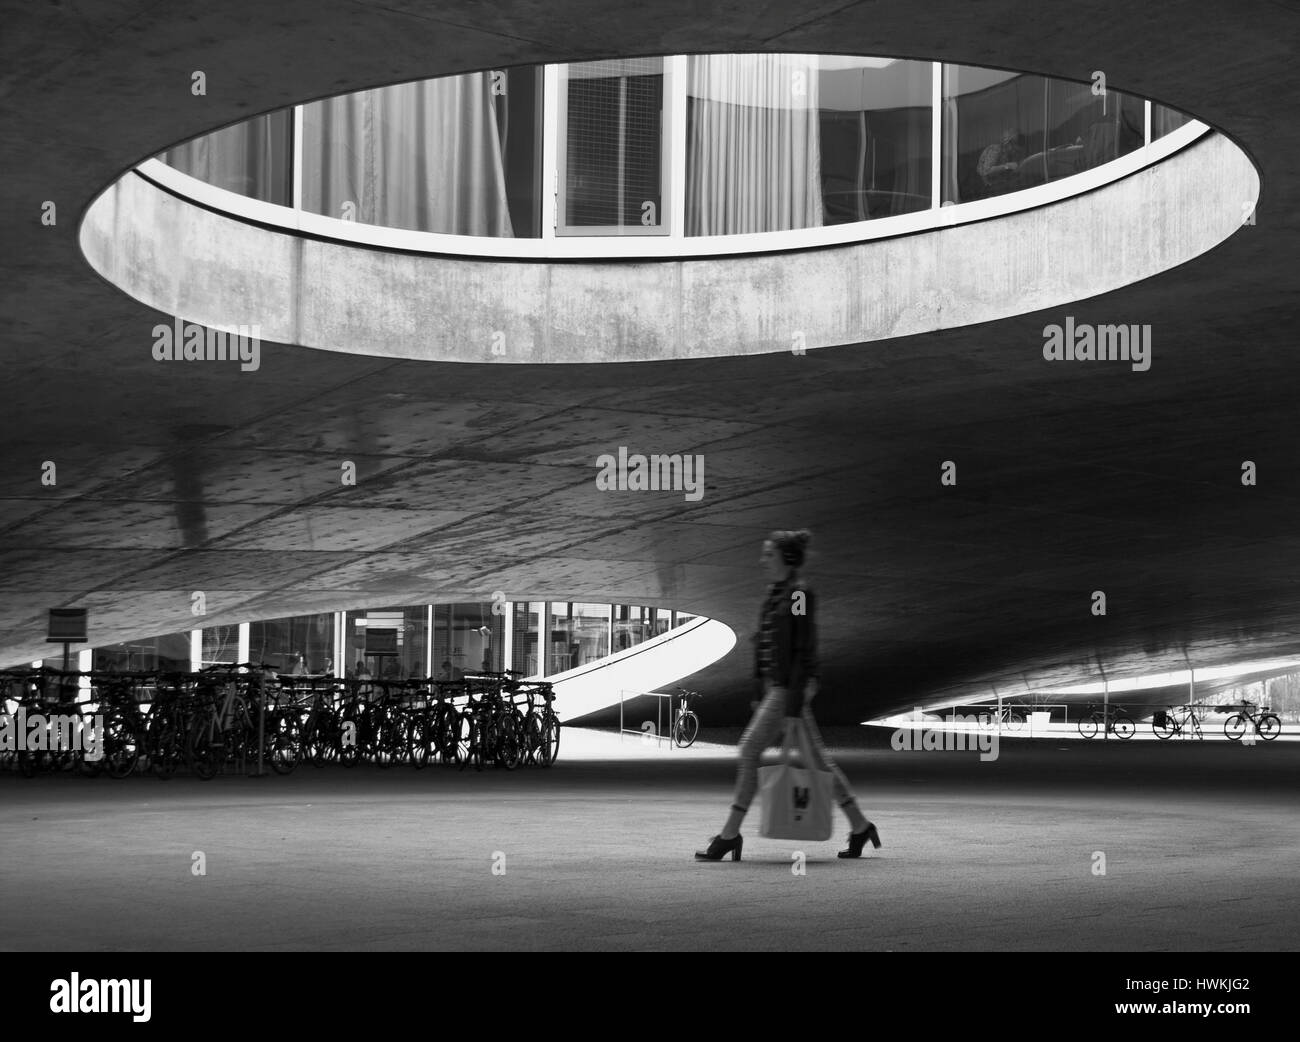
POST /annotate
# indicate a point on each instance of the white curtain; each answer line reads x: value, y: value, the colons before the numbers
x: 424, y: 156
x: 753, y: 149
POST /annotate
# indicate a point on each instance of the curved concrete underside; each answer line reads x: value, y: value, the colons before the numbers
x: 1072, y: 478
x: 186, y: 260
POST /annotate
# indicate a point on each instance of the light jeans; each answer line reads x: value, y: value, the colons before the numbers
x: 767, y: 725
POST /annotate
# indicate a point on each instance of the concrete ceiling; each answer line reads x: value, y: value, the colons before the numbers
x: 176, y: 478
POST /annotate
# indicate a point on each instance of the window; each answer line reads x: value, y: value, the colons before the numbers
x: 390, y: 643
x: 219, y: 644
x: 526, y: 621
x: 456, y: 155
x: 1005, y: 131
x: 613, y: 134
x: 1165, y: 120
x: 253, y: 158
x: 301, y: 644
x: 874, y: 128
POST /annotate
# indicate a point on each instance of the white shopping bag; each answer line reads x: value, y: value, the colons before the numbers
x: 796, y: 801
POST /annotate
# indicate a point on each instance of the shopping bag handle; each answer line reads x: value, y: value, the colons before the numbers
x: 796, y: 724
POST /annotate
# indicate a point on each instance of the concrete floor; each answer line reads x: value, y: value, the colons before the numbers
x: 1200, y: 845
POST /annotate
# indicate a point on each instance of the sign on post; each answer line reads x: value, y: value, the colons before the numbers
x: 67, y: 626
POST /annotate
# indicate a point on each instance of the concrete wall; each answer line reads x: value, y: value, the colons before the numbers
x: 188, y: 261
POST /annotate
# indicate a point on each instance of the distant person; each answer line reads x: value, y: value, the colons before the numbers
x: 786, y: 662
x: 450, y: 672
x: 999, y: 164
x: 300, y: 667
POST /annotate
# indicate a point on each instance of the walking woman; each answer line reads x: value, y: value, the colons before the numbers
x: 786, y: 662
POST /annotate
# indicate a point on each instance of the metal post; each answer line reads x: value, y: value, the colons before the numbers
x: 261, y: 727
x: 1105, y: 708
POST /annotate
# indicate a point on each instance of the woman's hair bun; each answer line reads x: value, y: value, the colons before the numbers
x: 792, y: 545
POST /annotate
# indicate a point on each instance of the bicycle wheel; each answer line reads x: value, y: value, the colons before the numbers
x: 686, y: 730
x: 283, y: 753
x: 1234, y: 727
x: 164, y: 750
x: 1088, y: 727
x: 1270, y: 726
x: 507, y: 748
x: 1124, y: 728
x: 121, y: 747
x: 202, y: 753
x: 550, y: 742
x: 1162, y: 726
x: 419, y: 741
x: 1014, y: 721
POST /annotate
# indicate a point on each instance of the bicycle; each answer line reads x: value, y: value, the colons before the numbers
x: 997, y: 716
x: 1169, y: 722
x: 686, y: 725
x: 1267, y: 724
x: 1116, y: 719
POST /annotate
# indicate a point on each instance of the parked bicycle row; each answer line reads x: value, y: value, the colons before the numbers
x: 245, y: 718
x: 1244, y: 719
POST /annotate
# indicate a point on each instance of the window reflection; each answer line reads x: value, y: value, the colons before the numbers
x: 170, y: 652
x: 253, y: 158
x: 1005, y: 131
x: 1165, y: 120
x: 303, y: 644
x: 874, y: 123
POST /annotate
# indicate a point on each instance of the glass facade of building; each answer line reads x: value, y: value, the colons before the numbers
x: 739, y: 143
x: 443, y: 641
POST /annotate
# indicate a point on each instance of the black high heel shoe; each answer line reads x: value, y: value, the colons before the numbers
x: 858, y: 840
x: 719, y: 848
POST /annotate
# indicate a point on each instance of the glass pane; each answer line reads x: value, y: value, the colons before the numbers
x: 526, y: 621
x: 517, y: 95
x: 558, y: 638
x: 220, y: 644
x: 631, y: 626
x: 614, y: 144
x: 1006, y: 131
x: 303, y: 644
x: 752, y: 144
x: 874, y: 128
x: 253, y: 158
x: 427, y: 156
x: 388, y: 643
x: 170, y: 652
x: 1164, y: 120
x: 590, y: 634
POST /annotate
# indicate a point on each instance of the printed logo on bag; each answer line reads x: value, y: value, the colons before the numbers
x: 801, y: 797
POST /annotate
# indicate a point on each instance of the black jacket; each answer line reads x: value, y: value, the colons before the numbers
x: 794, y: 643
